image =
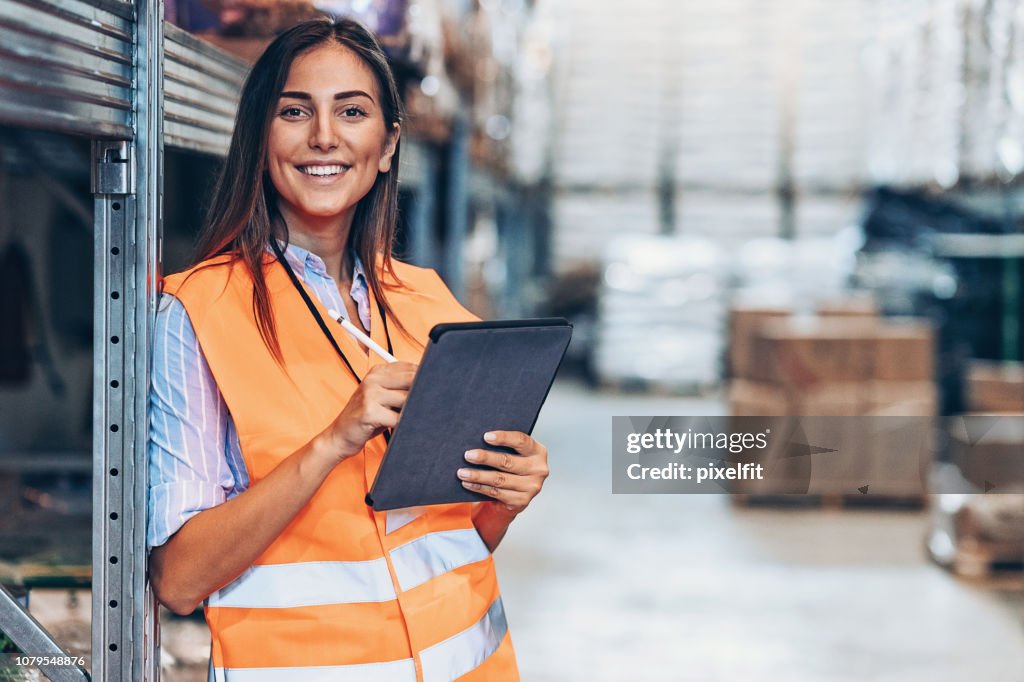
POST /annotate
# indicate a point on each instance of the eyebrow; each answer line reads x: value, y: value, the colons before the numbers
x: 347, y: 94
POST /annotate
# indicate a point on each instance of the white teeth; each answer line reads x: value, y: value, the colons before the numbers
x: 321, y: 170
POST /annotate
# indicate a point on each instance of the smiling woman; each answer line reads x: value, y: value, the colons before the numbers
x: 267, y: 425
x: 328, y: 143
x: 315, y: 81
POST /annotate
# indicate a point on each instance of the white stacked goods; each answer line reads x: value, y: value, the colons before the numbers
x: 1011, y: 145
x: 797, y: 274
x: 828, y: 95
x: 724, y: 102
x: 584, y: 222
x: 983, y: 46
x: 946, y: 91
x: 661, y: 312
x: 533, y: 111
x: 727, y: 218
x: 726, y: 92
x: 607, y: 95
x: 824, y: 216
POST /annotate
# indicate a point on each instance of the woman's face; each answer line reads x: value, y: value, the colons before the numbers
x: 328, y: 139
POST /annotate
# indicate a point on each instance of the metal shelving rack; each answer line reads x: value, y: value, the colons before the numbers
x: 97, y: 69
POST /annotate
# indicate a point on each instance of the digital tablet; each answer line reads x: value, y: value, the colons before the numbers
x: 474, y: 377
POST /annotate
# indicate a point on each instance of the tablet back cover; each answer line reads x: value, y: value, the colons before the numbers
x: 473, y: 378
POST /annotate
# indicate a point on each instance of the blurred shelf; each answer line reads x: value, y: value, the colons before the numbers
x: 979, y: 245
x: 32, y: 462
x: 412, y: 169
x: 485, y: 188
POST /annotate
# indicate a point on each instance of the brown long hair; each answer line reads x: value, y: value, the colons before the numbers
x: 243, y: 216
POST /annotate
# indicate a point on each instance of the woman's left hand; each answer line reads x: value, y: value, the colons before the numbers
x: 517, y: 479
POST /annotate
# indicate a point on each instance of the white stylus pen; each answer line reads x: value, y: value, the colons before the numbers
x: 360, y: 336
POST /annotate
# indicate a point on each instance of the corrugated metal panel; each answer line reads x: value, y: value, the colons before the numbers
x: 201, y: 88
x: 66, y: 66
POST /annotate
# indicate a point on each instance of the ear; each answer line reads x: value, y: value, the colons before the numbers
x: 390, y: 145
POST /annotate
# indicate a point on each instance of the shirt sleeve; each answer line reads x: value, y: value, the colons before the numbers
x: 194, y: 457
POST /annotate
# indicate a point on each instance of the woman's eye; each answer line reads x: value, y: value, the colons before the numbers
x: 291, y: 112
x: 352, y: 112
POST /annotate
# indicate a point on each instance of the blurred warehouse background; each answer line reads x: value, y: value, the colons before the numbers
x: 749, y: 207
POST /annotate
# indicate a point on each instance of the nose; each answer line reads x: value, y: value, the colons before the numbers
x: 324, y: 135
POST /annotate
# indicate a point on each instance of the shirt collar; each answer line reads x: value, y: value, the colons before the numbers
x: 299, y: 259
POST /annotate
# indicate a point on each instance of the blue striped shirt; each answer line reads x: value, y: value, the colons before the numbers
x: 195, y: 459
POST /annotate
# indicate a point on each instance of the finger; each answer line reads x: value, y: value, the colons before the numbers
x: 511, y: 498
x: 517, y: 440
x: 499, y: 460
x: 500, y: 480
x: 390, y: 398
x: 392, y: 376
x: 381, y: 417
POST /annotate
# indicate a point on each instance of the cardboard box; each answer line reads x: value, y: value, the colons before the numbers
x: 804, y: 353
x: 838, y: 399
x: 853, y: 306
x: 989, y: 449
x: 995, y: 387
x: 756, y: 399
x: 902, y: 399
x: 764, y: 399
x: 904, y: 351
x: 744, y: 323
x: 892, y: 456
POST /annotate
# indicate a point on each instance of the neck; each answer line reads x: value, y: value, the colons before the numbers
x: 327, y: 239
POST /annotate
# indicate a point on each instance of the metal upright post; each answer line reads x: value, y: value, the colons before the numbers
x: 421, y: 219
x: 457, y: 205
x: 127, y: 189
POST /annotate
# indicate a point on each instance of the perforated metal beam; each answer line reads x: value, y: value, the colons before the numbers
x: 127, y: 184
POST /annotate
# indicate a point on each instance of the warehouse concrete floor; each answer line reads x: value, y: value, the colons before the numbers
x: 601, y: 587
x: 614, y: 587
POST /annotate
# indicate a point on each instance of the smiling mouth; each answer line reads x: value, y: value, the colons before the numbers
x: 323, y: 171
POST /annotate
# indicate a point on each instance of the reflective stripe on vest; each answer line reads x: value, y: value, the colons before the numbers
x: 392, y: 671
x: 465, y: 651
x: 429, y: 556
x: 344, y: 593
x: 312, y: 583
x: 442, y: 662
x: 281, y: 586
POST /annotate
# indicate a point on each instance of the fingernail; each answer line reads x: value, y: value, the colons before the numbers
x: 462, y: 473
x: 467, y: 484
x: 472, y: 455
x: 490, y: 436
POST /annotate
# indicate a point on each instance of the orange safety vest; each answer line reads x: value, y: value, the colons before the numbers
x: 339, y: 595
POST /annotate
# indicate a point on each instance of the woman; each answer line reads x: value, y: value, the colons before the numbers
x: 267, y: 423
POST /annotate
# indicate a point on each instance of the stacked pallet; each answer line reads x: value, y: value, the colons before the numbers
x: 981, y: 533
x: 844, y: 361
x: 847, y: 362
x: 995, y: 387
x: 987, y: 442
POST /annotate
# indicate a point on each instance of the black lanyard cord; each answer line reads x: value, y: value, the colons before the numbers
x: 312, y: 308
x: 323, y: 325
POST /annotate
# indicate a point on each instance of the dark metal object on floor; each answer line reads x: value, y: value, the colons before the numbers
x: 31, y: 638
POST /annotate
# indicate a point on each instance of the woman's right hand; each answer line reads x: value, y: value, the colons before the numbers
x: 374, y: 407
